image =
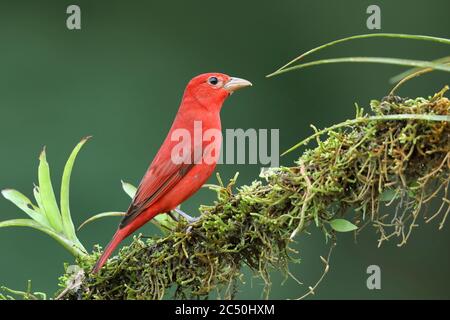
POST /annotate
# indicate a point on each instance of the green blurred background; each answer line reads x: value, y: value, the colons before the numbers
x: 121, y: 77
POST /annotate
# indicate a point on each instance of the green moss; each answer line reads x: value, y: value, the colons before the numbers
x: 403, y: 163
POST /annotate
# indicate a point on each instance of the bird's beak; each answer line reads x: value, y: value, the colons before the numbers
x: 236, y: 83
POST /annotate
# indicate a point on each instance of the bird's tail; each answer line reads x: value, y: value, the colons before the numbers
x: 117, y: 238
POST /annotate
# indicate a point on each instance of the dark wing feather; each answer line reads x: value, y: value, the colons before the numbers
x: 155, y: 184
x: 161, y: 177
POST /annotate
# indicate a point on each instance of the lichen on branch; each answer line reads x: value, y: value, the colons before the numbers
x: 357, y: 168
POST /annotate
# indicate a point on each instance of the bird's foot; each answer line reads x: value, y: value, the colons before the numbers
x: 188, y: 218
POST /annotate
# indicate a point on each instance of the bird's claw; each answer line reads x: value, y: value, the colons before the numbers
x: 189, y: 229
x: 188, y: 218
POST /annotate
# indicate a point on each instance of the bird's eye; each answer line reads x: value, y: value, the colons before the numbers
x: 213, y: 81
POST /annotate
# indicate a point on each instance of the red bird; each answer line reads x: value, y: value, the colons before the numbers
x: 169, y: 181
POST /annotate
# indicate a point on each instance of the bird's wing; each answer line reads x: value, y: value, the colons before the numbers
x: 162, y: 176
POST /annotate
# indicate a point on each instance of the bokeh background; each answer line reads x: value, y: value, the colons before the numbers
x: 120, y: 79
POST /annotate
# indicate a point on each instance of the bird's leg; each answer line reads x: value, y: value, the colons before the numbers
x: 172, y: 216
x: 186, y: 216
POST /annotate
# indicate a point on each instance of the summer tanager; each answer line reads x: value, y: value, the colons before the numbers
x: 179, y: 168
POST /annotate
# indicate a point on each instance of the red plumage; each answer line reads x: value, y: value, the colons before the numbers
x: 167, y: 183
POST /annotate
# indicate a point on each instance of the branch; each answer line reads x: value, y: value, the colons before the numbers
x: 401, y: 162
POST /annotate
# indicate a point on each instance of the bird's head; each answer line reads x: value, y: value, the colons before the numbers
x: 211, y: 89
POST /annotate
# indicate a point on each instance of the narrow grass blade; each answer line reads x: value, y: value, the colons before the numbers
x: 66, y: 243
x: 163, y: 221
x: 418, y: 73
x: 412, y: 71
x: 23, y: 203
x: 67, y: 222
x: 379, y: 60
x: 100, y: 216
x: 129, y: 189
x: 47, y: 195
x: 363, y: 36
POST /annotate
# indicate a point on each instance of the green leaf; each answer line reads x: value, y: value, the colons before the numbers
x: 100, y: 216
x: 129, y: 189
x: 67, y: 222
x: 66, y: 243
x: 37, y: 197
x: 23, y: 203
x: 48, y: 198
x: 164, y: 222
x: 342, y: 225
x: 388, y: 195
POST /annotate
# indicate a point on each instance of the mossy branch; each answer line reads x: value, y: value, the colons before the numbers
x: 402, y: 162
